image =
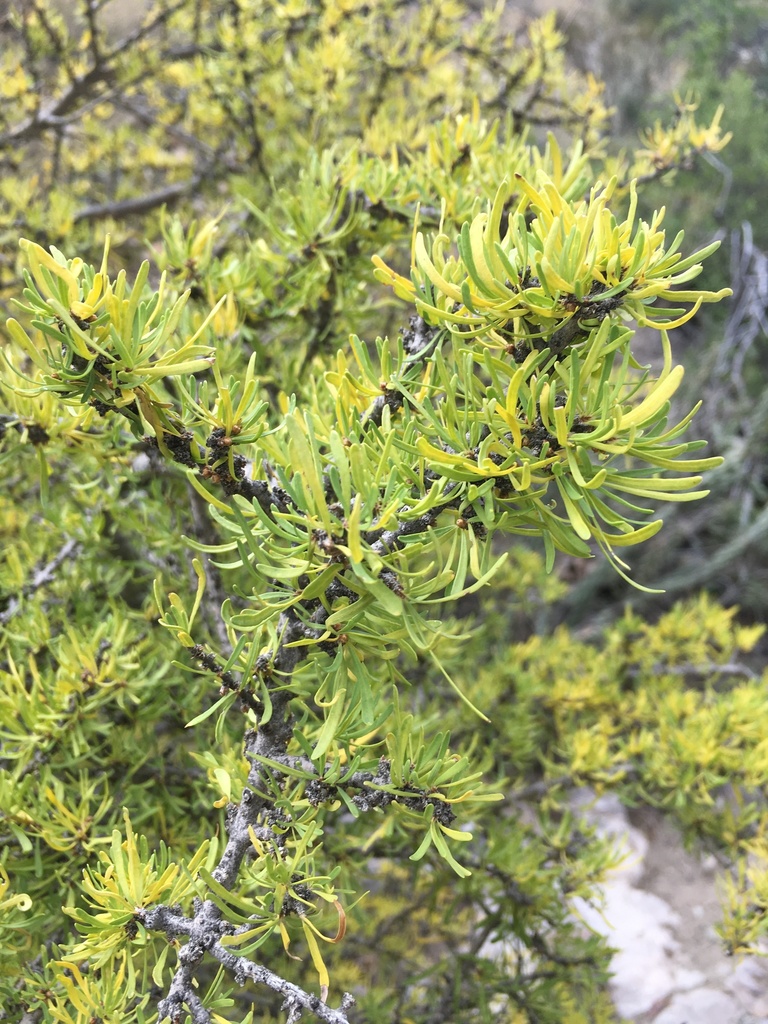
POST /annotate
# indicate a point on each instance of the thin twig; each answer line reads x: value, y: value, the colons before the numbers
x: 42, y: 576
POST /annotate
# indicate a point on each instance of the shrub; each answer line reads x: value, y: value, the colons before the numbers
x: 201, y: 779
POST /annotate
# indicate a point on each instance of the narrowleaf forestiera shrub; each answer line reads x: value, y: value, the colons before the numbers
x: 267, y: 737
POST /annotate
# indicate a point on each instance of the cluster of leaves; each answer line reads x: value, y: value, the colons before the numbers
x: 308, y: 531
x: 276, y: 107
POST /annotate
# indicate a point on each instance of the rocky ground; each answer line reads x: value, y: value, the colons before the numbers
x: 660, y: 909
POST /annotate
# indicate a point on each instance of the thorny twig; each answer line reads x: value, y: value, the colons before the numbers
x: 42, y: 576
x: 207, y: 925
x: 270, y: 741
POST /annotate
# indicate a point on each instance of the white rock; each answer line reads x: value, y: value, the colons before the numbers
x: 639, y: 926
x: 700, y: 1006
x: 748, y: 983
x: 630, y: 913
x: 709, y: 864
x: 610, y: 818
x: 635, y: 846
x: 659, y: 943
